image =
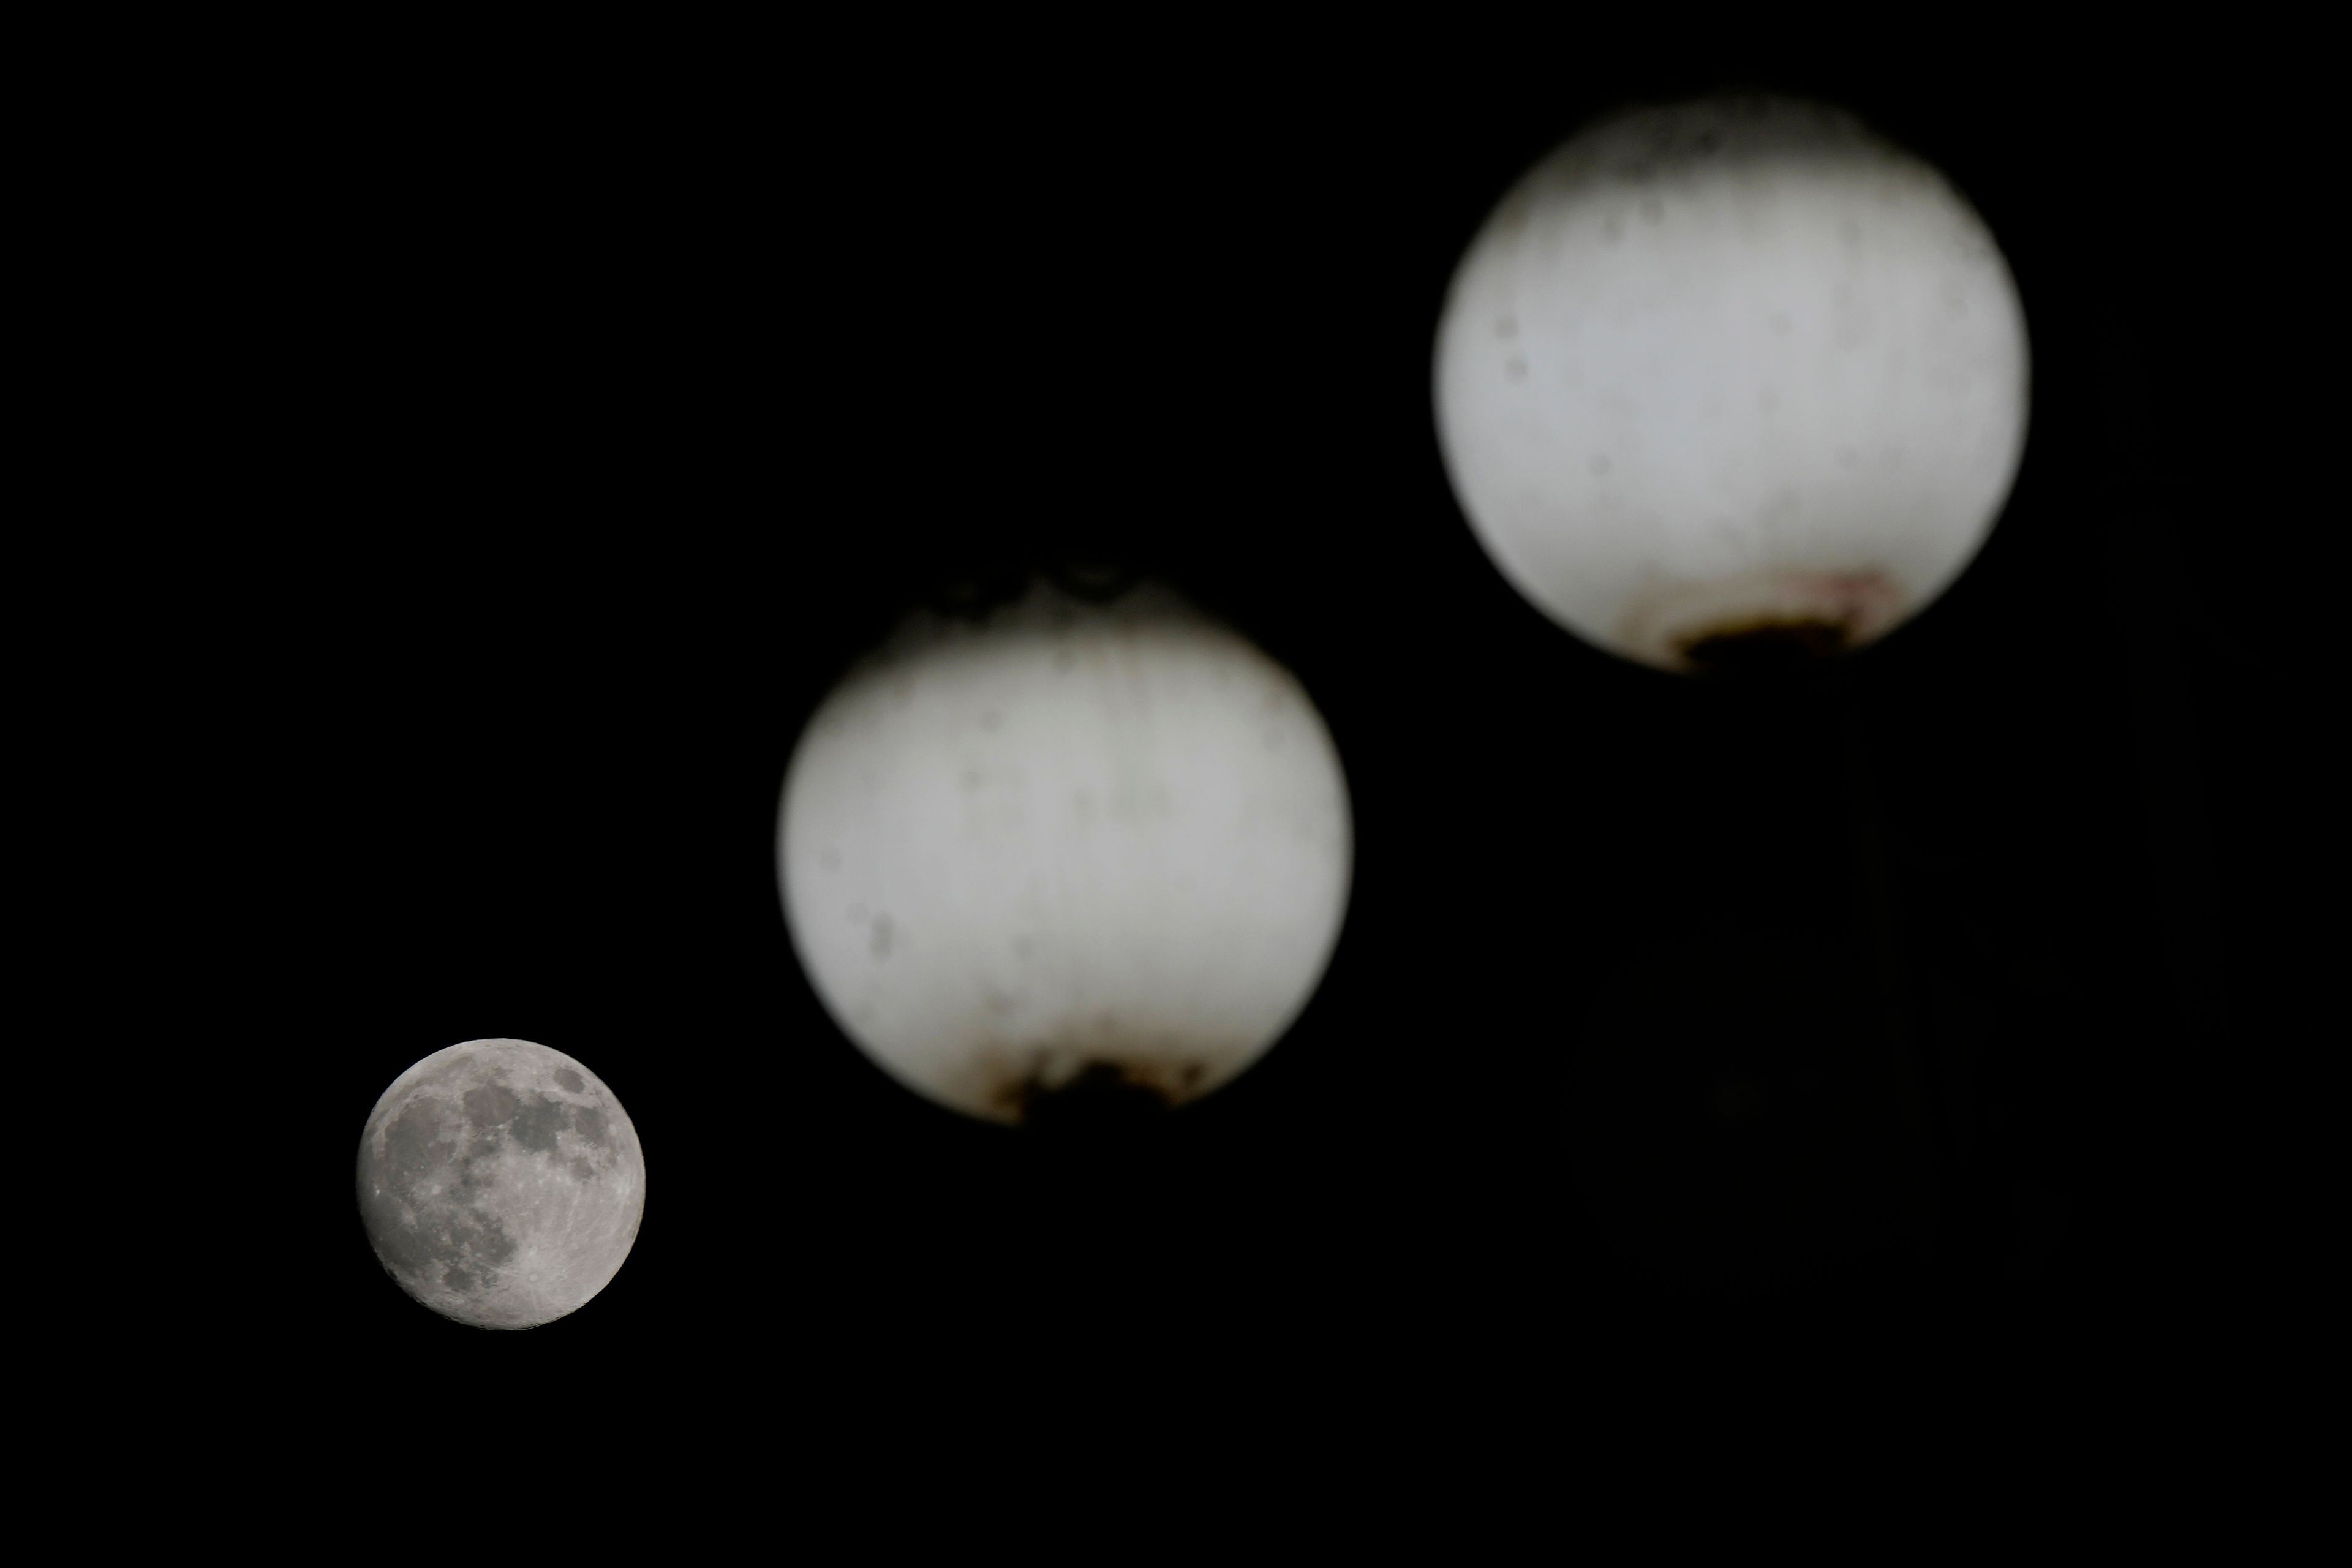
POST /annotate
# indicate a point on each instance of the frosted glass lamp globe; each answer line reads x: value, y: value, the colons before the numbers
x: 1731, y: 380
x: 1077, y: 845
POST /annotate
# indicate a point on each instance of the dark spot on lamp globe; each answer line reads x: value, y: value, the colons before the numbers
x: 1102, y: 1099
x: 1765, y: 647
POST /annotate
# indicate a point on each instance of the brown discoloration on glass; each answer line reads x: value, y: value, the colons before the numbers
x: 1102, y: 1094
x: 1762, y: 621
x: 1763, y: 647
x: 1104, y: 1081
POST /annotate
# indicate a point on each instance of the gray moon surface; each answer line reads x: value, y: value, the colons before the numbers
x: 501, y: 1183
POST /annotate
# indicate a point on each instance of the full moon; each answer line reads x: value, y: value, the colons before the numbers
x: 501, y: 1183
x: 1731, y: 382
x: 1079, y: 853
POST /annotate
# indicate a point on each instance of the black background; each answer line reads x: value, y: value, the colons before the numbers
x: 606, y: 400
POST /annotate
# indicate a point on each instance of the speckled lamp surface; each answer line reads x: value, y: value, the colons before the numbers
x: 1077, y: 843
x: 1731, y: 375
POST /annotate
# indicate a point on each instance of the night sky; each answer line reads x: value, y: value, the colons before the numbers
x: 615, y: 405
